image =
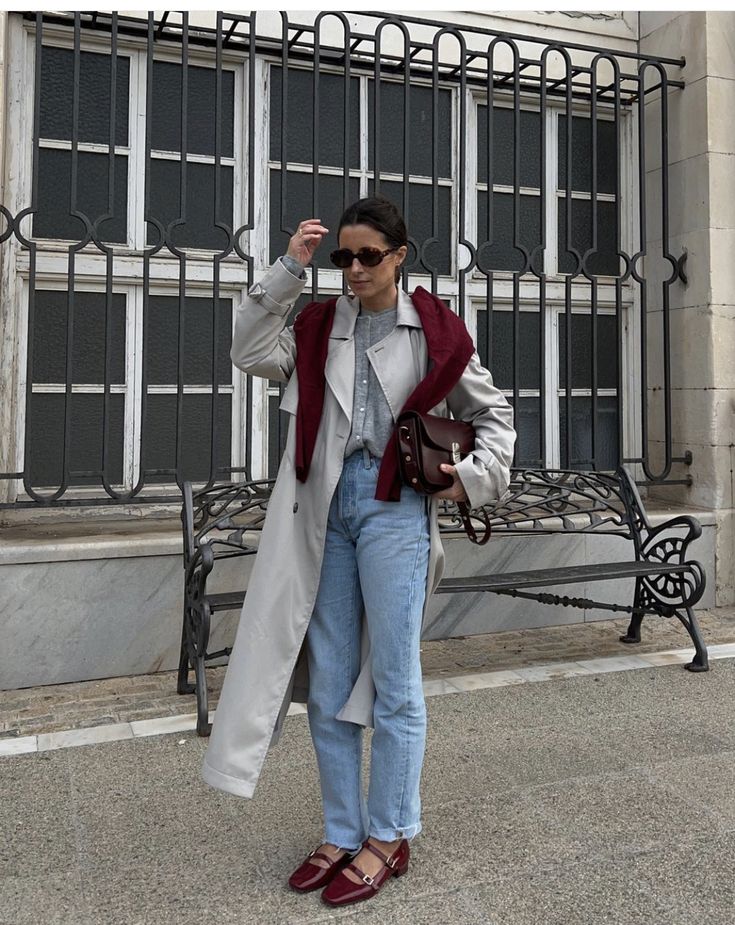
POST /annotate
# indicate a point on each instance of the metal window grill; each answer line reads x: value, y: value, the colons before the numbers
x: 533, y: 177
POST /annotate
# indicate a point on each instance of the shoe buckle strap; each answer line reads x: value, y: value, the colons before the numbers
x: 366, y: 878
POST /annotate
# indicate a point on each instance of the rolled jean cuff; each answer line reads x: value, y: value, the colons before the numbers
x: 392, y: 834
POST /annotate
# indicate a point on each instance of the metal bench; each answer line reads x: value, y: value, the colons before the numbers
x: 223, y: 522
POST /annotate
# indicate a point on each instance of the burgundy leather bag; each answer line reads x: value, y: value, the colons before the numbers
x: 425, y: 441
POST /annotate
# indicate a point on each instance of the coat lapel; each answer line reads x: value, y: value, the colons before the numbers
x: 340, y: 367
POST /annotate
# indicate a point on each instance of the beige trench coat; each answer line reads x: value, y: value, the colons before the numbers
x: 267, y: 667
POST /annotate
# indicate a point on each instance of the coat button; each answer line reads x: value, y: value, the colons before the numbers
x: 296, y: 507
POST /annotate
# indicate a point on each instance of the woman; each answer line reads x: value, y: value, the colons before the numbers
x: 348, y: 557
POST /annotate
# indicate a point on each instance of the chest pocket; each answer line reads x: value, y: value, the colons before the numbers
x: 290, y: 400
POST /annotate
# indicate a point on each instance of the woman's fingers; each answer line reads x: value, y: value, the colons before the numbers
x: 456, y: 491
x: 307, y: 238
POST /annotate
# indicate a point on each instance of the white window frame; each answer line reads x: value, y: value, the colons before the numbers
x: 630, y: 378
x: 331, y: 280
x: 90, y: 264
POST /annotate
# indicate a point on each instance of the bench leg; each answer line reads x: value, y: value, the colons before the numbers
x: 183, y: 685
x: 204, y: 727
x: 634, y: 627
x: 200, y: 653
x: 700, y: 662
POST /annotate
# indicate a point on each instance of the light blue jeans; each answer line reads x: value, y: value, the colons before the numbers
x: 377, y: 554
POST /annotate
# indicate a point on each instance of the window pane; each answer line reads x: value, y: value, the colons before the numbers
x: 199, y: 229
x: 503, y: 148
x: 605, y: 261
x: 57, y: 89
x: 607, y: 354
x: 299, y: 205
x: 607, y: 432
x: 421, y: 129
x: 501, y: 356
x: 85, y: 438
x: 52, y: 220
x: 88, y: 362
x: 159, y: 436
x: 200, y: 111
x: 163, y: 338
x: 607, y: 159
x: 299, y: 124
x: 527, y: 422
x: 501, y: 254
x: 419, y: 222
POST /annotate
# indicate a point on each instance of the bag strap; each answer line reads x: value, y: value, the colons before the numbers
x: 464, y: 510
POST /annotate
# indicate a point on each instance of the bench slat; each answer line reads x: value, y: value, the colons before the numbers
x: 231, y: 600
x: 557, y: 576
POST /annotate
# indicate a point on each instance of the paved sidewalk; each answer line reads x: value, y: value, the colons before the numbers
x: 117, y: 700
x: 607, y: 798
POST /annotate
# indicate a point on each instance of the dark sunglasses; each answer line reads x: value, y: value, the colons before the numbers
x: 368, y: 256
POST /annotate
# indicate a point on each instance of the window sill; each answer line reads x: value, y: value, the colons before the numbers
x: 119, y: 539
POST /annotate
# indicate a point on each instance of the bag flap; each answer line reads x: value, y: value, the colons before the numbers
x: 442, y: 432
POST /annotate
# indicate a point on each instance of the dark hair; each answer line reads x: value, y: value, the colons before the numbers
x: 382, y: 215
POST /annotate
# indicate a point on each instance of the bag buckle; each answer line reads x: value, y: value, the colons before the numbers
x: 455, y: 453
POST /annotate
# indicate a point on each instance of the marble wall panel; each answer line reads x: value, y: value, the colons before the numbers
x: 687, y: 122
x: 98, y: 618
x: 712, y: 486
x: 673, y: 35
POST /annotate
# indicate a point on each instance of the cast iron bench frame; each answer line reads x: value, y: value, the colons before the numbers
x: 223, y: 522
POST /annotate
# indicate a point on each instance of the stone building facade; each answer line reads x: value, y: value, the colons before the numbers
x: 94, y: 589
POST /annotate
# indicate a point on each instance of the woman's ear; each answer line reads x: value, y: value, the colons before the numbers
x: 400, y: 258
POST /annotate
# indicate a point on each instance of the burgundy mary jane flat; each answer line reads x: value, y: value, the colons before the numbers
x: 341, y: 890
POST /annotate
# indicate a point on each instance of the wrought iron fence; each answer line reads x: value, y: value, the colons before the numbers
x: 156, y: 166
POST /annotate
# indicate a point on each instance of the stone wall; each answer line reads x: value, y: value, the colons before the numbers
x: 701, y: 157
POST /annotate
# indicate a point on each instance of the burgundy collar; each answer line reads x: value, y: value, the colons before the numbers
x: 449, y: 347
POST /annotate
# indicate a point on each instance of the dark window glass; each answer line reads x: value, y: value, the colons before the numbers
x: 299, y: 205
x: 201, y: 126
x: 199, y: 229
x: 84, y: 452
x: 57, y: 94
x: 419, y: 222
x: 163, y: 339
x: 299, y: 122
x: 88, y: 361
x: 607, y: 155
x: 527, y: 422
x: 606, y: 433
x: 499, y: 326
x: 52, y: 219
x: 604, y: 261
x: 504, y: 146
x: 501, y: 254
x: 607, y: 354
x: 159, y: 436
x: 422, y: 131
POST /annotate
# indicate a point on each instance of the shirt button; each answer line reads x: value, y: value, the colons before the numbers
x: 364, y: 381
x: 362, y: 409
x: 296, y: 507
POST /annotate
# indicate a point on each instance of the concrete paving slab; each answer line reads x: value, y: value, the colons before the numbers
x: 684, y: 884
x: 572, y: 801
x: 709, y: 779
x: 37, y: 833
x: 51, y: 899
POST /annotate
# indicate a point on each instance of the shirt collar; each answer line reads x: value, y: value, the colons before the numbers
x: 348, y: 308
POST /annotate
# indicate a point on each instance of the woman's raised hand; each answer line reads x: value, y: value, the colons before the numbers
x: 308, y: 237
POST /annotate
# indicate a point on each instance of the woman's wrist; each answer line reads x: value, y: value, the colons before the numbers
x: 293, y: 266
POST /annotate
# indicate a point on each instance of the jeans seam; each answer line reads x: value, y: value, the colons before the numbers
x: 406, y: 672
